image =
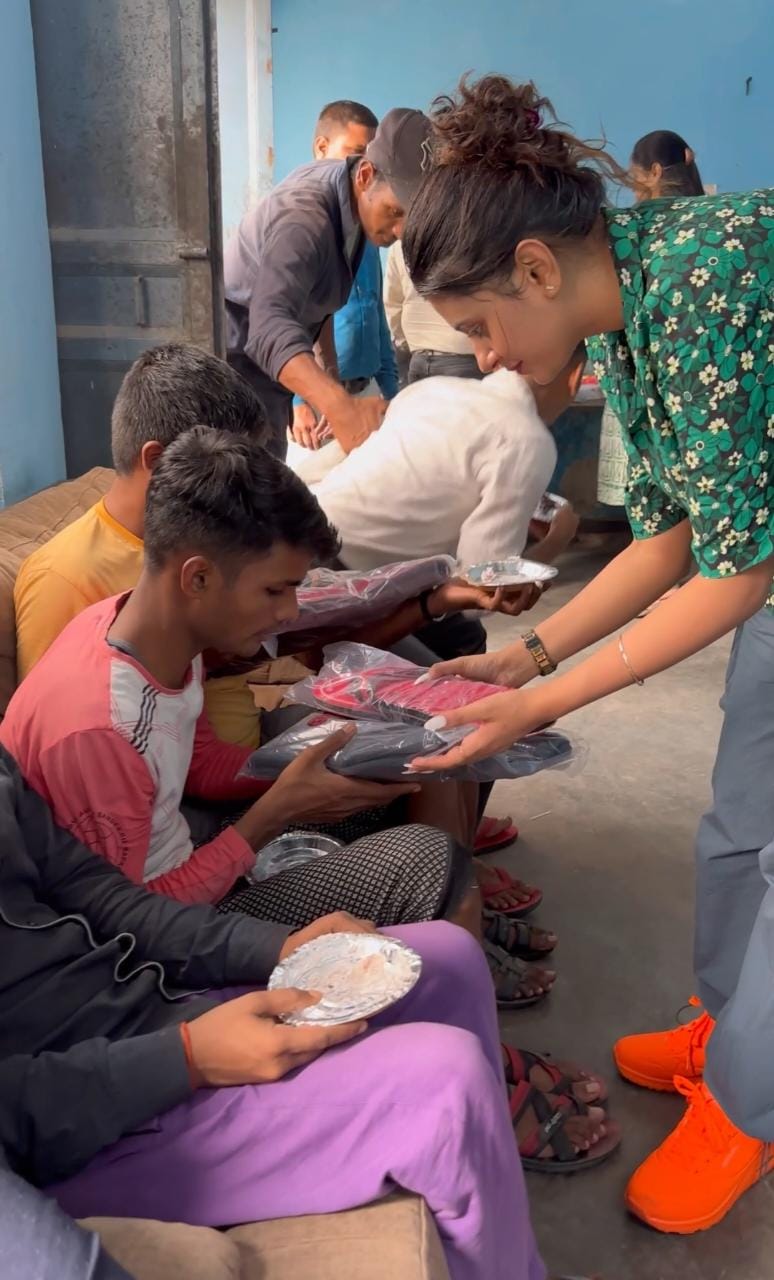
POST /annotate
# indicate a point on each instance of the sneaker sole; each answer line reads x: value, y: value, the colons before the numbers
x: 754, y: 1173
x: 657, y: 1083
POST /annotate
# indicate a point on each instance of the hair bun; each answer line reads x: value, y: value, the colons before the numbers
x: 497, y: 124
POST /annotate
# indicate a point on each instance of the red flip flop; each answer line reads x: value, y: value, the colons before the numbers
x: 505, y: 881
x: 489, y: 840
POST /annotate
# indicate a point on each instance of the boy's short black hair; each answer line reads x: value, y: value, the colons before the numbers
x: 174, y: 387
x: 221, y: 495
x: 337, y: 115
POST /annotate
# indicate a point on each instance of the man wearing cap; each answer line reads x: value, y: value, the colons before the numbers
x: 291, y: 265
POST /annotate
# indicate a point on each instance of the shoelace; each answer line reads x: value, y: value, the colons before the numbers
x: 704, y: 1117
x: 699, y: 1031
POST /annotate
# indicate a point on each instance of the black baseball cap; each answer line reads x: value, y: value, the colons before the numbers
x: 401, y: 150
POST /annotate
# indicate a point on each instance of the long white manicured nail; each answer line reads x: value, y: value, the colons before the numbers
x: 436, y: 723
x: 423, y: 679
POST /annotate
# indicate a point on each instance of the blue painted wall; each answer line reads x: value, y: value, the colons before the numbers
x: 615, y: 65
x: 31, y: 442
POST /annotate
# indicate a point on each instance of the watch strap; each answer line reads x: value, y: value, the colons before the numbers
x: 534, y: 645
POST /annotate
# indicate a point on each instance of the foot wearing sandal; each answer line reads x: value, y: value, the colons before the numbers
x: 654, y: 1059
x: 553, y: 1077
x: 699, y: 1172
x: 493, y: 834
x: 502, y: 892
x: 517, y: 937
x: 557, y: 1134
x: 516, y: 984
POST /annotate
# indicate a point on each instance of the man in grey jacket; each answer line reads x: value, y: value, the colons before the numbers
x: 125, y: 1091
x: 292, y: 263
x: 96, y: 979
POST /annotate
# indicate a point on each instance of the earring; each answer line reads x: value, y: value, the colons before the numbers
x: 550, y: 288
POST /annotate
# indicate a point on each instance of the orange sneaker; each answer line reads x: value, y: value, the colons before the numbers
x: 692, y: 1180
x: 654, y: 1059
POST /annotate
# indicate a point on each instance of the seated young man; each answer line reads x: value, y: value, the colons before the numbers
x: 457, y: 468
x: 123, y: 1092
x: 108, y: 728
x: 167, y: 390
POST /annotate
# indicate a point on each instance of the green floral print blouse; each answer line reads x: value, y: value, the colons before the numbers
x: 691, y: 376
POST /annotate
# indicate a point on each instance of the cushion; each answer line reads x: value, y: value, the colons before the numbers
x: 25, y: 526
x: 162, y: 1250
x: 395, y: 1239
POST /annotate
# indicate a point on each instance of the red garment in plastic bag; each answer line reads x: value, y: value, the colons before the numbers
x: 352, y: 597
x: 359, y: 681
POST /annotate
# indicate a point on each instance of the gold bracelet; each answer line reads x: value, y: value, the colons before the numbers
x: 627, y: 663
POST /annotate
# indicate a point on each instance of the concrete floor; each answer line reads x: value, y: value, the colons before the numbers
x: 611, y: 846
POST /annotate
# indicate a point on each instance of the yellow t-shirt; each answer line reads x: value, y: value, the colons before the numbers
x: 93, y: 558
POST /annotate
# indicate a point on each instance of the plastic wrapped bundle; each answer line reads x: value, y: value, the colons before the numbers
x: 380, y: 751
x: 358, y: 681
x: 351, y: 597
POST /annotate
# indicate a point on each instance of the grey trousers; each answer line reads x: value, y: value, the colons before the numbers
x: 734, y: 955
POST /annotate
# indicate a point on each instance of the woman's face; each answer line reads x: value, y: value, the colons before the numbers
x: 529, y: 328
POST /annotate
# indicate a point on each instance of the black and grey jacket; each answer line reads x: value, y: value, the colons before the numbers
x: 93, y: 971
x: 291, y: 264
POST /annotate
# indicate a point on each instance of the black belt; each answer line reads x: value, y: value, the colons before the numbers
x: 355, y: 385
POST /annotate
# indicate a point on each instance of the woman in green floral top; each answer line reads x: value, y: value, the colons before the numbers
x: 509, y: 238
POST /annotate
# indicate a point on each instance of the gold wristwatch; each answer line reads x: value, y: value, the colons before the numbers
x: 535, y: 646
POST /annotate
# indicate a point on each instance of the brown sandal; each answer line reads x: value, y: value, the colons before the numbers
x: 511, y: 976
x: 517, y: 937
x: 552, y: 1111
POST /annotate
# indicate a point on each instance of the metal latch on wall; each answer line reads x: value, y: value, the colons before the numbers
x: 193, y: 252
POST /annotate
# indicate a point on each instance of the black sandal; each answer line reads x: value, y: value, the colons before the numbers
x: 552, y: 1111
x: 512, y: 935
x: 508, y: 974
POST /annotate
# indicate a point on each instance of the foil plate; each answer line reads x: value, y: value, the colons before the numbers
x: 357, y: 974
x: 511, y: 572
x: 292, y: 849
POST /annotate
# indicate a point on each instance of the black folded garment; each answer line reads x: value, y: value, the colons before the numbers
x: 381, y: 751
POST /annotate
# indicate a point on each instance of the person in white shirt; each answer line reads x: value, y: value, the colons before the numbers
x: 457, y: 468
x: 425, y: 344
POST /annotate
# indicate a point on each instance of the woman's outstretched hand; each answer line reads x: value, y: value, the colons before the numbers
x: 513, y: 666
x: 500, y: 721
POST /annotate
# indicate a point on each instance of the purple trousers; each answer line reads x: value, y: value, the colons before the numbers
x: 418, y: 1103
